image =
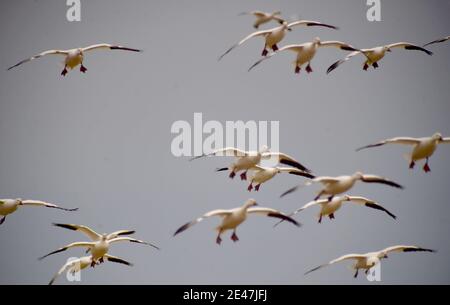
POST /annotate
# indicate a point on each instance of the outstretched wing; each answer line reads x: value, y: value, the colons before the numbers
x: 82, y: 229
x: 254, y: 34
x: 272, y: 213
x: 408, y: 46
x: 38, y: 203
x: 403, y: 248
x: 341, y: 61
x: 338, y: 44
x: 70, y: 266
x: 381, y: 180
x: 437, y: 41
x: 186, y: 226
x: 296, y: 171
x: 49, y: 52
x: 340, y: 259
x: 118, y: 260
x: 311, y: 23
x: 285, y: 159
x: 227, y: 151
x: 294, y: 48
x: 370, y: 204
x: 132, y: 240
x: 69, y: 246
x: 119, y: 233
x: 398, y: 140
x: 106, y: 46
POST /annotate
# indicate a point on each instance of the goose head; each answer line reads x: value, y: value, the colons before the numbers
x: 358, y: 175
x: 437, y: 137
x: 250, y: 203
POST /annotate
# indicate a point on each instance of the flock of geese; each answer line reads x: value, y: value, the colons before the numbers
x: 331, y: 196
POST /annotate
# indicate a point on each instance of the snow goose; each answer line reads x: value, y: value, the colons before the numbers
x: 369, y: 260
x: 231, y: 219
x: 437, y: 41
x: 100, y: 244
x: 328, y: 208
x: 76, y: 265
x: 75, y: 57
x: 263, y: 174
x: 245, y: 160
x: 423, y: 148
x: 264, y: 17
x: 337, y: 185
x: 275, y: 35
x: 374, y: 55
x: 9, y: 206
x: 306, y: 52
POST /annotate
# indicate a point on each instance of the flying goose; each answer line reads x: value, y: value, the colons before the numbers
x: 423, y: 148
x: 231, y: 219
x: 306, y: 52
x: 328, y: 208
x: 9, y: 206
x: 264, y: 17
x: 263, y: 174
x: 444, y: 39
x: 75, y: 57
x: 245, y: 160
x: 275, y: 35
x: 100, y: 244
x: 337, y: 185
x: 82, y: 263
x: 369, y: 260
x: 374, y: 55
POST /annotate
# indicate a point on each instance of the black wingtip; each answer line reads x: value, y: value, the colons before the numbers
x: 65, y: 226
x: 182, y: 228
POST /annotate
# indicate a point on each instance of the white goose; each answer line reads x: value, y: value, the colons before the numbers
x: 9, y: 206
x: 328, y: 208
x: 306, y: 52
x: 369, y: 260
x: 275, y: 35
x: 100, y: 244
x: 75, y: 57
x: 231, y: 219
x: 374, y: 55
x: 264, y: 17
x: 245, y: 160
x: 333, y: 186
x: 82, y: 263
x: 444, y: 39
x: 263, y: 174
x: 423, y: 148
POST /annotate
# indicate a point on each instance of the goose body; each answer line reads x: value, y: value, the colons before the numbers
x: 100, y: 244
x: 376, y: 54
x: 275, y: 35
x: 246, y: 160
x: 422, y: 148
x: 9, y: 206
x: 371, y: 259
x: 75, y: 57
x: 82, y: 263
x: 332, y: 186
x: 306, y: 52
x: 232, y: 218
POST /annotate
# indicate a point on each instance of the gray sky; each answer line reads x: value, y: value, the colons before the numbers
x: 101, y: 141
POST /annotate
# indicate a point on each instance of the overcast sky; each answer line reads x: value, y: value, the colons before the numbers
x: 101, y: 141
